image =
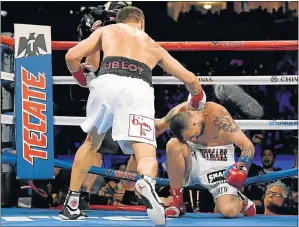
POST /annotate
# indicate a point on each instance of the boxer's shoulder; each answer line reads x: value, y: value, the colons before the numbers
x: 115, y: 28
x: 111, y: 28
x: 212, y: 107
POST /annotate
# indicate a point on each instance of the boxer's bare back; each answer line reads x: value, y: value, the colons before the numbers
x: 126, y: 41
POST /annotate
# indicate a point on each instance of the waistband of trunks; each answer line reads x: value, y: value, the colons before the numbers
x: 126, y: 67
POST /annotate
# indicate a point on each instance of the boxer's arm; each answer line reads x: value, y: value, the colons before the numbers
x: 83, y: 49
x: 94, y: 60
x: 237, y: 173
x: 224, y: 122
x: 246, y: 146
x: 174, y: 68
x: 242, y: 141
x: 162, y: 124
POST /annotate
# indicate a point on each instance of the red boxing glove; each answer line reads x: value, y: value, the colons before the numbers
x: 197, y: 101
x: 236, y: 175
x: 84, y: 75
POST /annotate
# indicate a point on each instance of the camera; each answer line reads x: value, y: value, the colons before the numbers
x: 106, y: 13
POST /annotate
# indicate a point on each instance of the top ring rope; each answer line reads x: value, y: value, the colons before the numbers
x: 195, y: 46
x: 206, y: 80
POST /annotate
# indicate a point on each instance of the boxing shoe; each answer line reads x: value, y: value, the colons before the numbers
x: 154, y: 206
x: 70, y: 210
x: 249, y: 208
x: 177, y: 207
x: 84, y: 201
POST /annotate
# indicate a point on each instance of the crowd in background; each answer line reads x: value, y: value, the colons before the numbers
x: 278, y: 102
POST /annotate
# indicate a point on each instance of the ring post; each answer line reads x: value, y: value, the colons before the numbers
x: 34, y: 102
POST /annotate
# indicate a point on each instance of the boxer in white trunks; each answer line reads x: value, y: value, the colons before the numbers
x: 122, y: 97
x: 203, y: 153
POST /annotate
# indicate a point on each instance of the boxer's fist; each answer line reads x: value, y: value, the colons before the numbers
x: 236, y: 175
x: 197, y: 101
x: 84, y: 75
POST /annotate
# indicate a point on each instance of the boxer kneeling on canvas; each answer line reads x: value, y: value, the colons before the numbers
x: 203, y: 152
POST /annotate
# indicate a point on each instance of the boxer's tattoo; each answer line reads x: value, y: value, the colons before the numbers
x: 170, y: 115
x: 247, y: 152
x: 224, y: 122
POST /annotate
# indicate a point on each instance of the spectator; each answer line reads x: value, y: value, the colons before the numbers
x: 256, y: 192
x: 276, y: 199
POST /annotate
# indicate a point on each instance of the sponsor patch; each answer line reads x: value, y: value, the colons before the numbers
x: 216, y: 176
x: 141, y: 127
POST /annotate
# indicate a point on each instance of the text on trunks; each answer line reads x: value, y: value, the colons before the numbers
x: 122, y: 65
x: 141, y: 127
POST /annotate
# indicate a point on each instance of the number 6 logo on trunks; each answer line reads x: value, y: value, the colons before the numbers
x: 141, y: 127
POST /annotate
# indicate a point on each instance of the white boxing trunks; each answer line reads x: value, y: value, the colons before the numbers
x: 208, y: 166
x: 122, y: 102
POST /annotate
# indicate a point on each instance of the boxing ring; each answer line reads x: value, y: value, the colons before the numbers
x: 116, y: 215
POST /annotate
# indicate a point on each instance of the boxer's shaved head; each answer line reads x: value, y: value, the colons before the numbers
x: 179, y: 124
x: 129, y: 14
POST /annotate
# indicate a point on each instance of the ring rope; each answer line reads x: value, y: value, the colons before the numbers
x: 205, y: 80
x: 116, y: 174
x: 244, y: 124
x: 195, y: 46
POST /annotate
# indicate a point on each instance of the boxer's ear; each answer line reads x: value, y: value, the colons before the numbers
x: 142, y: 25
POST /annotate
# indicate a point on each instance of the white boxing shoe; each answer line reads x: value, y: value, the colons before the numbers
x: 154, y: 206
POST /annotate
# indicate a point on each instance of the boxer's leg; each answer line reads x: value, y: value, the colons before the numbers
x: 147, y: 165
x: 229, y: 206
x: 134, y: 127
x: 91, y: 178
x: 232, y: 202
x: 131, y: 167
x: 84, y: 158
x: 130, y: 185
x: 99, y: 118
x: 88, y: 183
x: 179, y: 166
x: 178, y: 162
x: 145, y: 155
